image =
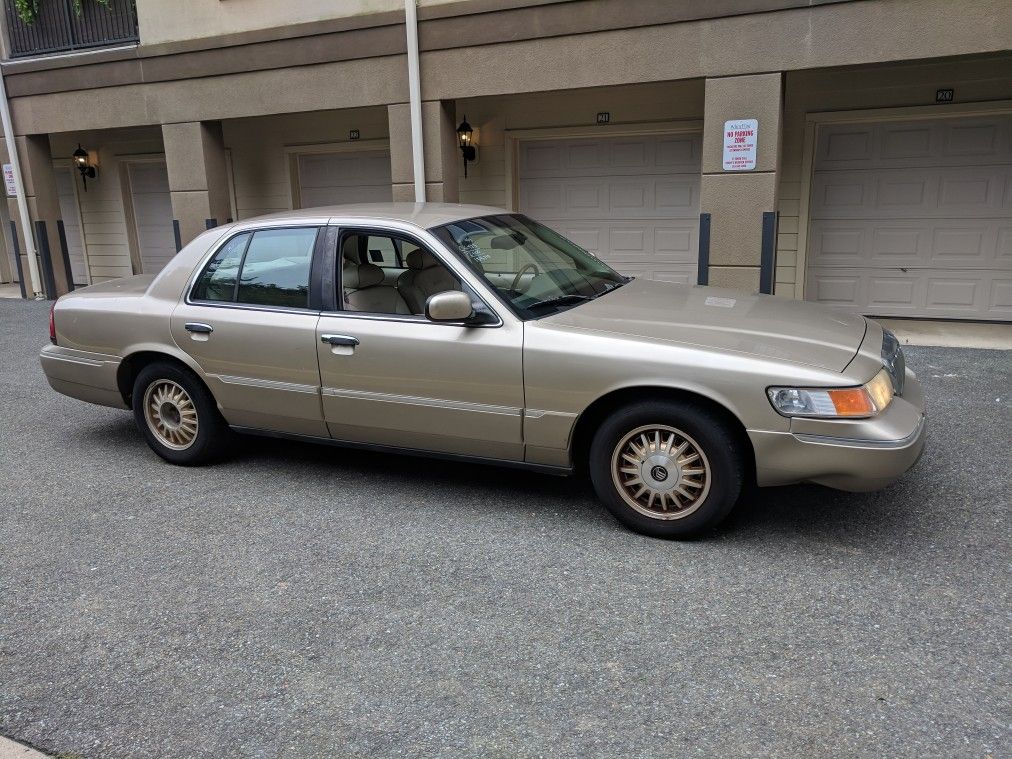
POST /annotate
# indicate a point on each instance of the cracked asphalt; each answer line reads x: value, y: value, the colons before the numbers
x: 304, y: 601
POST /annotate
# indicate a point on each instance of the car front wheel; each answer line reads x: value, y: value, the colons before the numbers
x: 666, y: 469
x: 177, y: 415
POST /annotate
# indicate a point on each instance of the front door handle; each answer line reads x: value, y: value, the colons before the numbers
x: 339, y: 340
x: 199, y: 327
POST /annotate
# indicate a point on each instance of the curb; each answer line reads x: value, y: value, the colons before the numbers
x: 13, y: 750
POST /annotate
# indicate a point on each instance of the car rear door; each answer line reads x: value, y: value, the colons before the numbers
x: 249, y: 321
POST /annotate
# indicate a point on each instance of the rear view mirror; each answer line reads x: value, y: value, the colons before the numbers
x: 449, y: 306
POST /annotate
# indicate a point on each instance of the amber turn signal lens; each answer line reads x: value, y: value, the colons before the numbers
x: 852, y: 402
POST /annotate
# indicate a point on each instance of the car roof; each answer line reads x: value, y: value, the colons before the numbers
x: 423, y: 215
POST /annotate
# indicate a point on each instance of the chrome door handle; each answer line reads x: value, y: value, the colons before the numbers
x: 339, y: 339
x: 199, y: 327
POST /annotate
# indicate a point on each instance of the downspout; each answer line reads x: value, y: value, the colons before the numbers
x: 415, y: 98
x: 26, y: 219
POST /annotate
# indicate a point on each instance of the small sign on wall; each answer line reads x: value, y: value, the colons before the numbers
x: 354, y: 134
x: 12, y: 187
x: 944, y: 96
x: 604, y: 117
x: 740, y: 136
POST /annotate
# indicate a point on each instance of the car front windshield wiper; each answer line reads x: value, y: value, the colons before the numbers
x: 561, y: 300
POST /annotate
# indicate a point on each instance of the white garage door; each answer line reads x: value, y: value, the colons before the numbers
x: 327, y: 179
x: 152, y: 206
x: 632, y: 201
x: 914, y: 218
x: 72, y: 224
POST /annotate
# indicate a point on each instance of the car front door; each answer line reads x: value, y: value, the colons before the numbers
x: 391, y: 377
x: 250, y: 323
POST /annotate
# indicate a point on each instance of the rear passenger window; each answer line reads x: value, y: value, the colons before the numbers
x: 275, y: 266
x: 275, y: 269
x: 217, y: 283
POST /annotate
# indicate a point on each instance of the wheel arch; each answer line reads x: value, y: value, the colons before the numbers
x: 594, y: 415
x: 141, y: 356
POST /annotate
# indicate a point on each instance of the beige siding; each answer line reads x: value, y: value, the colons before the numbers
x: 491, y: 117
x: 261, y: 149
x: 874, y: 87
x: 103, y: 214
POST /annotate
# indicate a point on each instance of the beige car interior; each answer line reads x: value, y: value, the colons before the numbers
x: 390, y: 288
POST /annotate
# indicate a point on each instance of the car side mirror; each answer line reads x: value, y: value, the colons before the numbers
x: 449, y: 306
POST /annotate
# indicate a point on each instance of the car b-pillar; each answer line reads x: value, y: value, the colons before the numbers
x: 741, y: 199
x: 198, y: 178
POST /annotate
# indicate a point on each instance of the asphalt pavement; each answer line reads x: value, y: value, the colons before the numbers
x: 305, y: 601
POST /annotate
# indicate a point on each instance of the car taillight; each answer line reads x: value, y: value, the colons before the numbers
x: 52, y: 324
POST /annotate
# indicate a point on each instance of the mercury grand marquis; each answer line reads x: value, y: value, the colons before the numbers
x: 477, y: 334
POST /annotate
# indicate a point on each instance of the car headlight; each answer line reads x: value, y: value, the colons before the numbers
x: 893, y: 360
x: 832, y: 402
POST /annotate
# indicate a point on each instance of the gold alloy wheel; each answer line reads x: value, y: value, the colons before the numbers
x: 170, y: 414
x: 661, y: 472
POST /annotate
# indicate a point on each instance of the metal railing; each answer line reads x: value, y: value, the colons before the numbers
x: 58, y: 28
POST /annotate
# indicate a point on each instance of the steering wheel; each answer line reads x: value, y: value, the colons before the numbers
x: 525, y: 267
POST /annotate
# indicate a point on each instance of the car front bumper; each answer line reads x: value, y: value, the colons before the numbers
x: 855, y: 455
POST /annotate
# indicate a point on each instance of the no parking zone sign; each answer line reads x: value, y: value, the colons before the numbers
x: 740, y: 138
x: 12, y: 187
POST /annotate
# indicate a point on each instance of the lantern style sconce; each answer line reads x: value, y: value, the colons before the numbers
x: 465, y: 135
x: 84, y: 163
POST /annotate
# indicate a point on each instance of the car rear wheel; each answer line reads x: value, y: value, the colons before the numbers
x: 666, y: 469
x: 178, y: 416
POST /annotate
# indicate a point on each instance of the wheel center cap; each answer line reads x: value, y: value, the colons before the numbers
x: 170, y: 415
x: 660, y: 472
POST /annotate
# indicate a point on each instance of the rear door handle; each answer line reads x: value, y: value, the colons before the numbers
x: 339, y: 340
x: 199, y: 327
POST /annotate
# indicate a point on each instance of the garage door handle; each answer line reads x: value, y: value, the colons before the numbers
x: 339, y: 340
x: 199, y: 328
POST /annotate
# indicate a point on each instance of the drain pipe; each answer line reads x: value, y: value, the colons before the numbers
x: 415, y: 98
x: 26, y: 219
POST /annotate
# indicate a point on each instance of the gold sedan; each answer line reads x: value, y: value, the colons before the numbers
x: 475, y: 334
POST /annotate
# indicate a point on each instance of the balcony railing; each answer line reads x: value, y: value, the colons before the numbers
x: 59, y: 28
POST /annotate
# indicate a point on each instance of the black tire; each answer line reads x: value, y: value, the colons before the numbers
x: 212, y: 433
x: 722, y: 461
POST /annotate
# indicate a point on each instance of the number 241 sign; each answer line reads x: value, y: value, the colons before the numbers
x: 740, y: 138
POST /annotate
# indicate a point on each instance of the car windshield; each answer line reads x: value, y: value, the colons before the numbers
x: 534, y: 270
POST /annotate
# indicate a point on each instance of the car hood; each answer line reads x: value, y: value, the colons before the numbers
x: 723, y: 320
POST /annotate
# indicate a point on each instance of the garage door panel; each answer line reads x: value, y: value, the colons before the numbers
x: 977, y: 141
x: 327, y: 179
x: 1000, y: 296
x: 835, y: 287
x: 152, y: 211
x: 611, y: 197
x: 934, y: 244
x: 633, y: 201
x: 912, y: 193
x: 932, y: 294
x: 630, y: 156
x: 624, y: 244
x: 913, y: 218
